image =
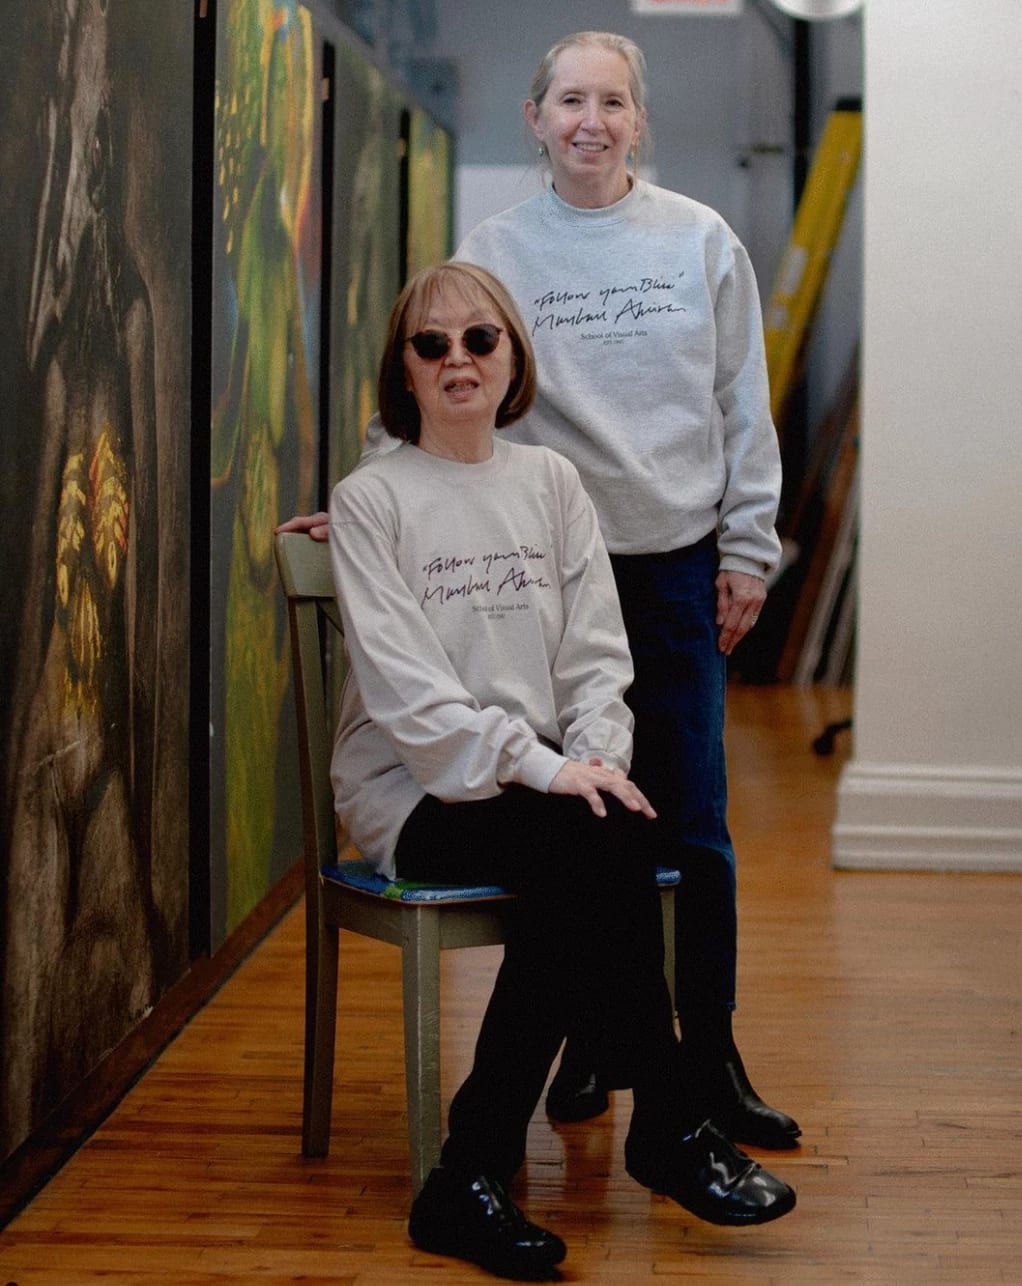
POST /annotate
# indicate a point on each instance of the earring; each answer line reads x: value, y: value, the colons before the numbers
x: 541, y: 150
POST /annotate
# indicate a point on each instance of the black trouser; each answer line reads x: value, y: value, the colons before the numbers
x: 584, y: 953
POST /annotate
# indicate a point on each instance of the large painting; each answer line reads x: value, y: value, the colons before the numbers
x: 265, y: 377
x: 366, y: 245
x: 430, y: 192
x: 94, y: 633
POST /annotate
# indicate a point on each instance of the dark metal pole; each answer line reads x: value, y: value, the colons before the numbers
x: 802, y: 76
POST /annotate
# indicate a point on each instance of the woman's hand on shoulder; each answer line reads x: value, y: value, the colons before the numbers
x: 592, y: 780
x: 317, y: 525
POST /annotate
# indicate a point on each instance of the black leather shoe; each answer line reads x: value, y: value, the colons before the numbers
x: 739, y: 1112
x: 475, y: 1219
x: 710, y: 1177
x: 718, y: 1086
x: 575, y: 1093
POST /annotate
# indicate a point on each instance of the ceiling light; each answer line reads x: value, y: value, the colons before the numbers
x: 814, y: 9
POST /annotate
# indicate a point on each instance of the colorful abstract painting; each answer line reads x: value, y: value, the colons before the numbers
x: 366, y: 245
x: 94, y: 457
x: 430, y: 192
x: 265, y: 380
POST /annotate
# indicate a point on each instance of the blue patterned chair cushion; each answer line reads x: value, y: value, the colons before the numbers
x: 358, y: 874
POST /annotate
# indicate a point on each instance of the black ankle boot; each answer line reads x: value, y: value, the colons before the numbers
x: 742, y: 1115
x: 474, y: 1219
x: 575, y: 1093
x: 708, y: 1176
x: 721, y: 1088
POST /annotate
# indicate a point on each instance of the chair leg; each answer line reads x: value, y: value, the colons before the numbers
x: 320, y: 1031
x: 667, y: 911
x: 420, y: 968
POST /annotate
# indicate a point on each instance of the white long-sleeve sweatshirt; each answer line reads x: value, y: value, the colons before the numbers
x: 646, y: 321
x: 483, y: 630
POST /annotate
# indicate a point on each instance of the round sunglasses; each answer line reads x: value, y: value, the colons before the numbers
x: 432, y: 345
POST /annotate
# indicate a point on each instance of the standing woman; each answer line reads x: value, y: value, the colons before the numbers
x: 644, y: 313
x: 484, y: 737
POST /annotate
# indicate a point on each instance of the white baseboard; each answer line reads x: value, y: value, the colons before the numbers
x: 908, y: 818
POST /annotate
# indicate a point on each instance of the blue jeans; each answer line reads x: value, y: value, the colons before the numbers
x: 669, y: 606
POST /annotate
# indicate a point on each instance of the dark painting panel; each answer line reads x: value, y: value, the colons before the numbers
x: 366, y: 245
x: 95, y: 150
x: 265, y: 373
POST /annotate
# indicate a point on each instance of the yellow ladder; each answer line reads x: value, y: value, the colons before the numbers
x: 803, y: 268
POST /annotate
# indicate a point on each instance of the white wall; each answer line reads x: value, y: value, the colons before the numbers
x: 936, y: 774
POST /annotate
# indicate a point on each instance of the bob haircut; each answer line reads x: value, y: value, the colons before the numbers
x: 399, y: 410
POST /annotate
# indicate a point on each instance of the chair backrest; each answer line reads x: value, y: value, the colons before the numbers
x: 305, y: 576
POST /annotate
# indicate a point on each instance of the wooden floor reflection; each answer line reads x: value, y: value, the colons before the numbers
x: 882, y: 1010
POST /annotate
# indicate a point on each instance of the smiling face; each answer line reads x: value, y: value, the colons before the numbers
x: 459, y: 394
x: 588, y: 122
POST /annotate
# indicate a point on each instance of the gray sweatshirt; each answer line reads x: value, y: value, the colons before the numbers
x: 483, y: 631
x: 646, y: 321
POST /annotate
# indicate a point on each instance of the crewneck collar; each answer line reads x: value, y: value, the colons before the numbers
x: 441, y: 467
x: 602, y: 215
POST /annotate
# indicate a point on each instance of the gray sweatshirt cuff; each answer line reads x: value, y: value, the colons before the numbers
x: 538, y: 767
x: 735, y: 563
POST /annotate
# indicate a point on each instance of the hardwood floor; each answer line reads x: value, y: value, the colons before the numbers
x: 883, y: 1010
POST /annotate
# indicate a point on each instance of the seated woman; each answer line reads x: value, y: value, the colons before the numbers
x: 484, y: 737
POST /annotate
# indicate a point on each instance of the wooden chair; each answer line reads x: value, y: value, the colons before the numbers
x: 343, y: 892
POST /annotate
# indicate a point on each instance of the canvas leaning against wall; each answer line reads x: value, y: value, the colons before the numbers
x: 267, y: 242
x: 95, y: 378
